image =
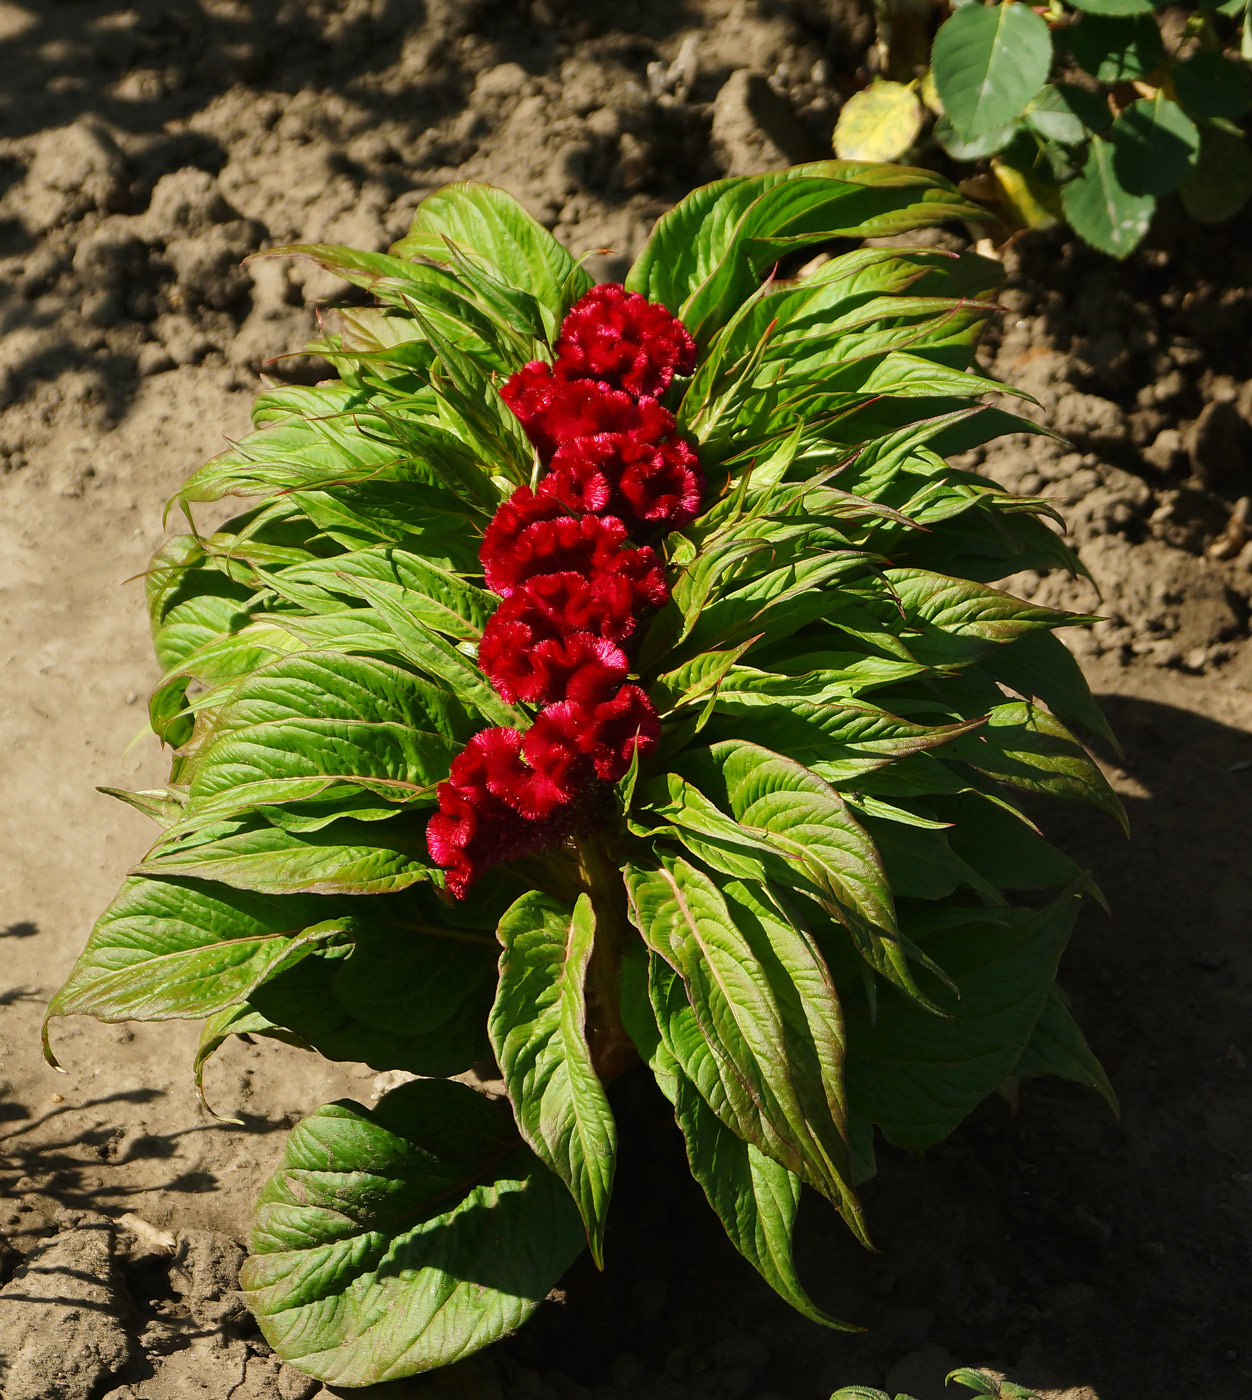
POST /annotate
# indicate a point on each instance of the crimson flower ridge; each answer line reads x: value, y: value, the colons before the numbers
x: 574, y: 565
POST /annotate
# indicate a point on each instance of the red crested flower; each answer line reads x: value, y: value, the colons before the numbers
x: 553, y: 747
x: 539, y: 668
x: 616, y: 727
x: 591, y: 546
x: 647, y: 484
x: 491, y: 765
x: 554, y: 409
x: 554, y: 605
x: 642, y: 572
x: 624, y: 340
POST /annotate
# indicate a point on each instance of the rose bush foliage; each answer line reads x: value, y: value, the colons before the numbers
x: 600, y: 675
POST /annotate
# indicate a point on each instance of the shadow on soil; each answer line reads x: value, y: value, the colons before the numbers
x: 1067, y: 1246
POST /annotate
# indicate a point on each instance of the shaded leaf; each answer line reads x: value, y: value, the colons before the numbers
x: 538, y: 1032
x: 394, y: 1240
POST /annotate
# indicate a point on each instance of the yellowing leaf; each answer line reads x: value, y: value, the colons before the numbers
x: 1032, y: 203
x: 880, y: 123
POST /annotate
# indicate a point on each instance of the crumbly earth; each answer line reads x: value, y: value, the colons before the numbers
x: 145, y: 149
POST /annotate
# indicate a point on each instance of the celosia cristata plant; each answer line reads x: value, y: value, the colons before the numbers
x: 608, y: 679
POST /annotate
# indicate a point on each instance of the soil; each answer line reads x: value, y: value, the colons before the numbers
x: 145, y: 149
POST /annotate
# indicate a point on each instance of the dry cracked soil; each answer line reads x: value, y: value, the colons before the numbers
x: 146, y: 149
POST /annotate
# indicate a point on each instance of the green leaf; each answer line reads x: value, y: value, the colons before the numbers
x: 1116, y: 49
x: 708, y: 253
x: 1155, y: 143
x: 349, y: 857
x: 429, y: 652
x: 1028, y: 748
x: 1115, y: 7
x: 1100, y: 210
x: 1039, y: 666
x: 1066, y: 113
x: 396, y: 1240
x: 801, y: 816
x: 879, y: 123
x: 988, y: 62
x: 1221, y: 182
x: 755, y: 1199
x: 1058, y: 1047
x: 917, y: 1075
x: 981, y: 146
x: 1209, y: 84
x: 330, y: 719
x: 537, y: 1029
x: 491, y: 225
x: 751, y: 1017
x: 183, y: 948
x: 324, y: 1003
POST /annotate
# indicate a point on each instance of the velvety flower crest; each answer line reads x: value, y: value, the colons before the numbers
x: 573, y: 585
x: 624, y: 340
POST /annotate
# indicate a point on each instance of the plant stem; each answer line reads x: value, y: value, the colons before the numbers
x: 612, y: 1050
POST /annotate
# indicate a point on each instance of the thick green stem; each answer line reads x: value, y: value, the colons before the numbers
x: 612, y: 1050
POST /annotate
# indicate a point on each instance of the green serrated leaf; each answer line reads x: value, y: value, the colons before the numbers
x: 801, y: 816
x: 1116, y: 48
x: 1155, y: 143
x: 988, y: 62
x: 394, y: 1240
x: 755, y: 1199
x: 1100, y: 210
x: 184, y: 948
x: 537, y: 1029
x: 1221, y: 183
x: 917, y: 1075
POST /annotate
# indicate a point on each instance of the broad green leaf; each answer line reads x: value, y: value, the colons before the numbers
x: 442, y: 599
x: 1116, y: 48
x: 1221, y: 182
x: 1039, y: 666
x: 1101, y: 211
x: 349, y: 857
x: 755, y: 1199
x: 409, y: 977
x: 1028, y: 748
x: 394, y: 1240
x: 917, y: 1075
x: 429, y: 652
x: 538, y: 1032
x: 988, y: 62
x: 1003, y: 846
x: 708, y: 253
x: 1058, y: 1047
x: 1155, y: 143
x: 1209, y: 84
x: 1068, y: 114
x: 981, y: 146
x: 330, y: 719
x: 1115, y: 7
x: 491, y: 225
x: 840, y: 740
x: 313, y: 1002
x: 879, y: 123
x: 803, y: 817
x: 184, y: 948
x: 750, y: 1014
